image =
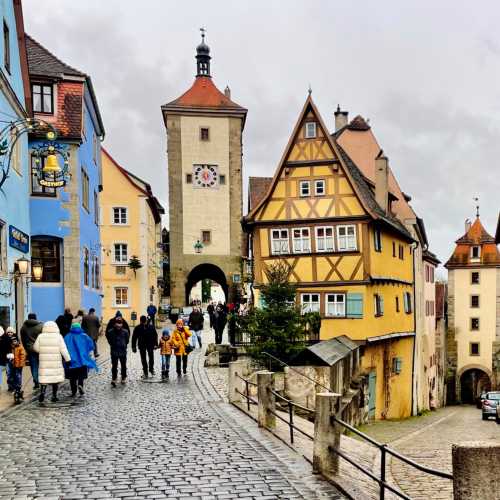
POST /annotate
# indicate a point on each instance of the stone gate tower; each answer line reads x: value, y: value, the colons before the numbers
x: 204, y: 141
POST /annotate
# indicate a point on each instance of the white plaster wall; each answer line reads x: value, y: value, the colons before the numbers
x: 205, y: 208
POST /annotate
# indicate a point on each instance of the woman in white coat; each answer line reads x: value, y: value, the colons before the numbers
x: 51, y: 349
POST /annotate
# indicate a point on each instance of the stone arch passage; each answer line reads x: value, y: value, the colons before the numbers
x: 206, y: 271
x: 473, y: 381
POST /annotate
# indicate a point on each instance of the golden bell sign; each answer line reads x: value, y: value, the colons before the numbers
x: 51, y: 165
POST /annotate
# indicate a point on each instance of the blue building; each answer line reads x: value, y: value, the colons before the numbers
x: 65, y: 237
x: 14, y: 175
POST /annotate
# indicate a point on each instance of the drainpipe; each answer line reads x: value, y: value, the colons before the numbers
x: 414, y: 383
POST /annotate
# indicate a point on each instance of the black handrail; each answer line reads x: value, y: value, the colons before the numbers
x: 247, y: 395
x: 290, y: 402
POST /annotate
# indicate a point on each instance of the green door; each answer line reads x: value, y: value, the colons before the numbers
x: 372, y: 390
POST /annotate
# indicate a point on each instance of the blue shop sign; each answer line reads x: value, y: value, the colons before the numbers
x: 19, y: 240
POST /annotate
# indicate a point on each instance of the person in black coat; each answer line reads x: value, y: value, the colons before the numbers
x: 211, y: 313
x: 64, y: 321
x: 111, y: 322
x: 146, y: 338
x: 220, y: 321
x: 195, y: 323
x: 118, y: 338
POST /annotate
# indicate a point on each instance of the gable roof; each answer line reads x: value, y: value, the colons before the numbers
x: 257, y: 188
x: 328, y: 352
x: 476, y: 235
x: 354, y: 175
x: 42, y: 62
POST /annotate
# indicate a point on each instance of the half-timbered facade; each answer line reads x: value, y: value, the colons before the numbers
x: 349, y: 256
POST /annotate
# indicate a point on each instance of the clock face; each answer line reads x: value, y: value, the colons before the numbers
x: 205, y: 176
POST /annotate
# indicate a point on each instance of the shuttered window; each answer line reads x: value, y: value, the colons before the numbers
x: 355, y: 305
x: 378, y: 304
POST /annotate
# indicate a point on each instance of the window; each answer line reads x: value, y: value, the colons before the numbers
x: 401, y: 251
x: 94, y: 147
x: 324, y: 239
x: 43, y: 98
x: 397, y: 304
x: 335, y: 304
x: 204, y: 134
x: 47, y: 253
x: 474, y: 348
x: 96, y: 208
x: 189, y: 178
x: 474, y: 277
x: 85, y: 190
x: 309, y: 302
x: 6, y: 47
x: 206, y: 237
x: 86, y: 267
x: 279, y: 242
x: 475, y: 252
x: 319, y: 187
x: 36, y: 188
x: 97, y: 274
x: 301, y: 240
x: 346, y: 238
x: 120, y: 253
x: 3, y: 247
x: 474, y: 323
x: 397, y: 364
x: 120, y: 215
x: 305, y: 188
x: 474, y: 300
x: 310, y: 130
x: 121, y: 270
x: 394, y: 249
x: 378, y: 301
x: 222, y: 180
x: 407, y: 302
x: 121, y: 296
x: 15, y: 162
x: 377, y: 240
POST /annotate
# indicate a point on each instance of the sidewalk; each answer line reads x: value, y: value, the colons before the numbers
x: 7, y: 398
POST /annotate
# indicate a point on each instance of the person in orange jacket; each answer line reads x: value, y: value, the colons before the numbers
x: 166, y: 347
x: 180, y: 341
x: 17, y: 360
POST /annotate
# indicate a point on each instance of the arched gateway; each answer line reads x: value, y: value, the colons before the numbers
x: 204, y: 138
x: 206, y: 271
x: 473, y: 381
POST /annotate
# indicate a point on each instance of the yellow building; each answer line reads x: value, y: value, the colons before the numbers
x: 350, y: 257
x: 130, y: 222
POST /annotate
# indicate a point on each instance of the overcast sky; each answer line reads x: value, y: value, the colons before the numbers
x: 426, y: 74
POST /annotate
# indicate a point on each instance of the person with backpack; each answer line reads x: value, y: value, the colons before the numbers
x: 29, y: 332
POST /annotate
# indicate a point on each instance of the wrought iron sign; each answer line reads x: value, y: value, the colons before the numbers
x: 47, y: 167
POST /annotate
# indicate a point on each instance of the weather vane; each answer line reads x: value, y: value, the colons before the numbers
x: 203, y: 32
x: 309, y: 90
x: 476, y: 199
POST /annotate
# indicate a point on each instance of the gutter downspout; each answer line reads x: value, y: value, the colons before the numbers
x: 414, y: 383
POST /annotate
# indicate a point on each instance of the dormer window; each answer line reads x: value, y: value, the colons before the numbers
x: 310, y: 130
x: 43, y: 98
x: 475, y: 252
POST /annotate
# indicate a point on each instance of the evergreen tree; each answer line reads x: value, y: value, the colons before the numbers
x: 134, y: 263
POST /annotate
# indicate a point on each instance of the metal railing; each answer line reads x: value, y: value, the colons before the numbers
x: 384, y: 450
x: 246, y: 395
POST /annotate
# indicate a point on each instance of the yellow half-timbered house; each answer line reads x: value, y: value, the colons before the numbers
x: 349, y: 255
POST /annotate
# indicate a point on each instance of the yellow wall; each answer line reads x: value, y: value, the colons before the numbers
x: 141, y: 235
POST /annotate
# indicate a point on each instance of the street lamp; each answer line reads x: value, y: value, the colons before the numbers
x: 37, y: 270
x: 198, y: 246
x: 22, y: 266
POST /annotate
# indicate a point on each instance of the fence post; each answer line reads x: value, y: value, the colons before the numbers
x: 235, y: 383
x: 326, y: 435
x: 265, y: 382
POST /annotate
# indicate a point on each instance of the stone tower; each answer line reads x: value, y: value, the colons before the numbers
x: 204, y: 141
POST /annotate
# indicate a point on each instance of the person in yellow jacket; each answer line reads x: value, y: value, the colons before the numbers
x: 182, y: 347
x: 17, y: 360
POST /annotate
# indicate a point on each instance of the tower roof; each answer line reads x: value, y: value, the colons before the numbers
x: 475, y: 236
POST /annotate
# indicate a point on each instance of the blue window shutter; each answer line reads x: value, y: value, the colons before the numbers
x: 381, y: 305
x: 355, y: 305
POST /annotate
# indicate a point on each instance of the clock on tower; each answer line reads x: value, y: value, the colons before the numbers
x: 205, y: 176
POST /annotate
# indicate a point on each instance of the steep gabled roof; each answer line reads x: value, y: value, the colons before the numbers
x: 476, y: 235
x: 41, y: 62
x: 257, y: 188
x: 354, y: 175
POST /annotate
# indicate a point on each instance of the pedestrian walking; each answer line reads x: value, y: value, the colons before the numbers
x: 17, y: 359
x: 220, y: 321
x: 78, y: 318
x: 211, y: 313
x: 118, y: 338
x: 180, y: 341
x: 92, y: 327
x: 111, y: 322
x: 50, y: 347
x: 64, y: 321
x: 80, y: 346
x: 165, y: 353
x: 5, y: 348
x: 29, y: 332
x: 195, y: 324
x: 151, y: 310
x: 146, y: 338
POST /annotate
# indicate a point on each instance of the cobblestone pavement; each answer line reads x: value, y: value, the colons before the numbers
x: 428, y: 441
x: 147, y: 440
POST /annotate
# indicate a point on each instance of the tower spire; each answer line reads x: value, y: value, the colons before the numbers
x: 476, y: 199
x: 203, y: 56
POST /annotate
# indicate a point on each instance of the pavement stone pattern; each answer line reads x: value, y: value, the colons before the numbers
x: 174, y: 440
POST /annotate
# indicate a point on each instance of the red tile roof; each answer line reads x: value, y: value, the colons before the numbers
x: 257, y: 189
x: 358, y: 123
x: 476, y: 234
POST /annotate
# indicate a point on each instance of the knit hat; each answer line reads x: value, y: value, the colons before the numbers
x: 165, y: 332
x: 1, y: 331
x: 76, y: 324
x: 10, y: 330
x: 50, y: 327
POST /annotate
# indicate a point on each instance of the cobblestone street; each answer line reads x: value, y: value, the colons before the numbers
x: 147, y: 440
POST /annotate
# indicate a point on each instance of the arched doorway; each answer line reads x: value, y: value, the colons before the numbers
x: 206, y: 272
x: 472, y: 382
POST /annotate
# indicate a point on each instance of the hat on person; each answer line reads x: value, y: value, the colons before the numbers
x: 165, y: 332
x: 118, y: 314
x: 76, y: 324
x: 179, y: 322
x: 50, y: 327
x: 10, y: 330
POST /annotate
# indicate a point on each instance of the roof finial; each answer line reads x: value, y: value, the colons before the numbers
x: 476, y: 199
x: 203, y: 31
x: 309, y: 90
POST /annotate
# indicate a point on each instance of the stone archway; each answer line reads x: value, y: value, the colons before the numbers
x: 206, y: 271
x: 472, y: 380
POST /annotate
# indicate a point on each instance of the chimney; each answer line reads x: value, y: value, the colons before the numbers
x: 340, y: 118
x: 227, y: 92
x: 382, y: 181
x: 468, y: 225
